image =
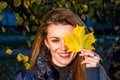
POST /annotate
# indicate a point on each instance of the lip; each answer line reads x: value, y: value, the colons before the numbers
x: 64, y: 55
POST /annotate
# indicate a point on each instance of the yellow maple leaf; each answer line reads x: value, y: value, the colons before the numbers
x: 79, y: 39
x: 20, y: 57
x: 27, y: 66
x: 9, y: 51
x: 25, y: 59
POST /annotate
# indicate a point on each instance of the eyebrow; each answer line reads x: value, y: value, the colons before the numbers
x: 54, y: 37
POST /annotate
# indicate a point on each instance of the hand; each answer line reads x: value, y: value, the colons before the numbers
x: 91, y: 59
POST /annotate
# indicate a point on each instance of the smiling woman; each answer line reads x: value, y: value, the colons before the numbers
x: 51, y: 60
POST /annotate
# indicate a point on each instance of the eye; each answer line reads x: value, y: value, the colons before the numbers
x: 55, y: 40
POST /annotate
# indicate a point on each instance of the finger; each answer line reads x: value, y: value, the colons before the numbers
x: 87, y: 53
x: 90, y: 63
x: 90, y: 53
x: 91, y: 60
x: 96, y: 58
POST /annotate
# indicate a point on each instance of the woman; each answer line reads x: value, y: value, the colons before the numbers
x: 50, y: 59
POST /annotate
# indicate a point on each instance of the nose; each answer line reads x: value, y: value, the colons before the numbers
x: 63, y: 47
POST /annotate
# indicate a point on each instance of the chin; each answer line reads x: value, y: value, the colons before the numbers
x: 65, y: 63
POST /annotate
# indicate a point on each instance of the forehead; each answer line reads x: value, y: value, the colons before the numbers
x: 59, y: 28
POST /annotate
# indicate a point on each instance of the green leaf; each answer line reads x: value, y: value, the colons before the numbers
x: 3, y: 29
x: 26, y: 3
x: 32, y: 1
x: 33, y: 37
x: 99, y: 2
x: 32, y: 18
x: 91, y: 13
x: 83, y: 16
x: 27, y: 26
x: 36, y: 21
x: 38, y: 2
x: 1, y: 17
x: 35, y: 9
x: 24, y: 16
x: 67, y: 5
x: 19, y: 19
x: 3, y: 5
x: 17, y: 3
x: 34, y: 28
x: 117, y: 2
x: 28, y: 43
x: 85, y: 7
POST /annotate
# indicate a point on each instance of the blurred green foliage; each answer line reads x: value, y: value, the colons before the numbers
x: 30, y: 13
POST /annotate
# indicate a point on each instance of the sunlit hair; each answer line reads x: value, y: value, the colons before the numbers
x: 58, y: 16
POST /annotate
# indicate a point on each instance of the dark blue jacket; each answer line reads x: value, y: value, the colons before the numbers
x: 44, y: 71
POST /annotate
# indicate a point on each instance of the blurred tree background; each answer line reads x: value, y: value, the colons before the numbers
x: 19, y: 20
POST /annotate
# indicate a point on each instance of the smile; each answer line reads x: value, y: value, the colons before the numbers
x: 64, y: 55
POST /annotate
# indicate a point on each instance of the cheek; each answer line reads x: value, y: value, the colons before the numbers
x: 54, y: 48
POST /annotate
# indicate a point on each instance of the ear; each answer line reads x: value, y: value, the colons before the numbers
x: 46, y: 43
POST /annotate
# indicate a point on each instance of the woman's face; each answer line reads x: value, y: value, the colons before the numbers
x: 55, y: 43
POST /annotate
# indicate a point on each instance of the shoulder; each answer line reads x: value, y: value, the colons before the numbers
x: 97, y: 73
x: 102, y: 73
x: 27, y: 74
x: 92, y: 73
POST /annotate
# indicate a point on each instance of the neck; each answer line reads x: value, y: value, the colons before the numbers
x: 63, y: 71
